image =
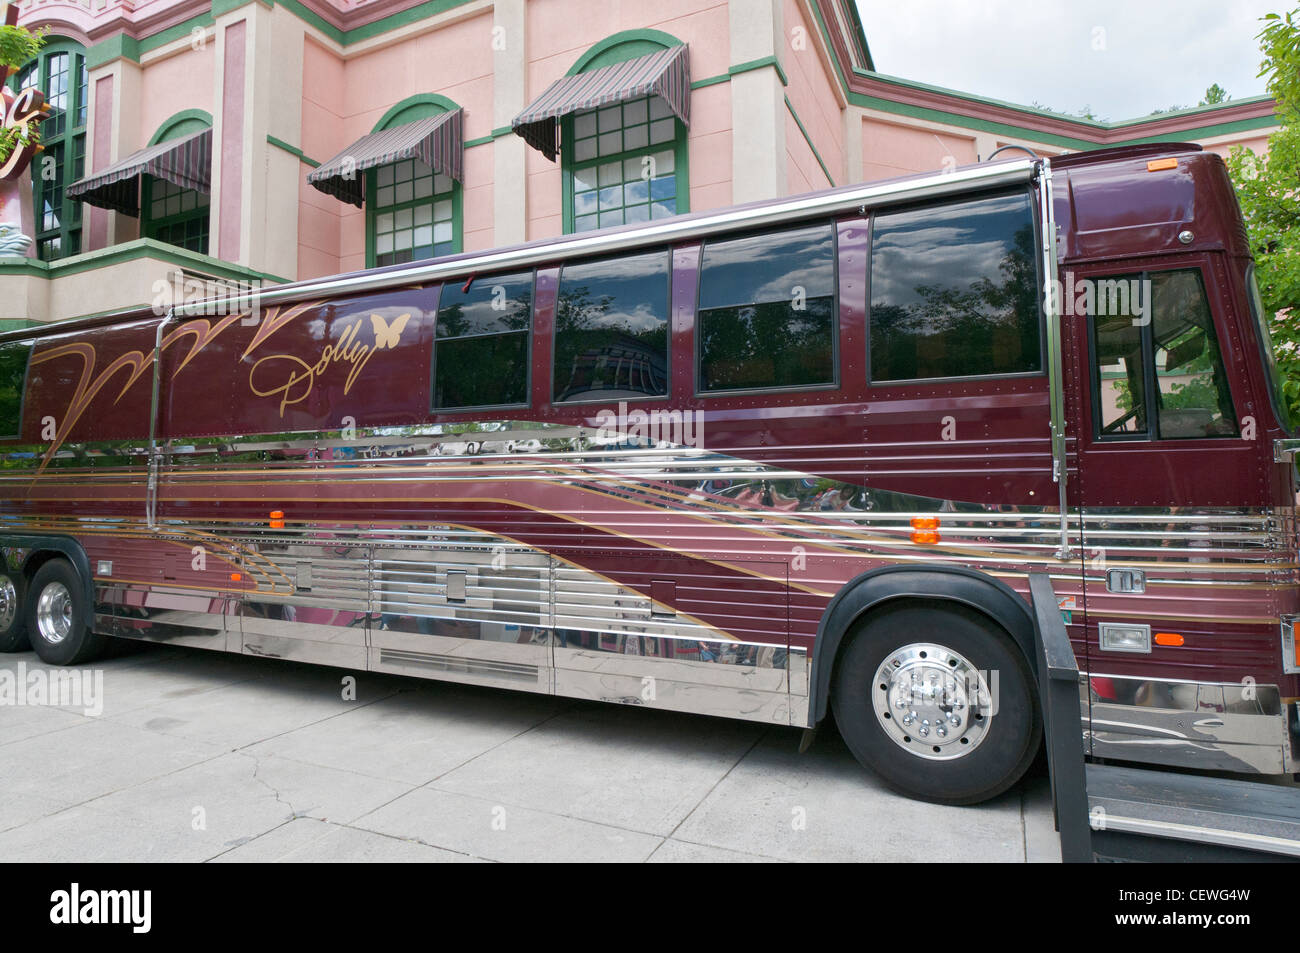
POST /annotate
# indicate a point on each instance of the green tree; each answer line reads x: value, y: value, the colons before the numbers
x: 1214, y: 95
x: 1268, y: 188
x: 18, y: 45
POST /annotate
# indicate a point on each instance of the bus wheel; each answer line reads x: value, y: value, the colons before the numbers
x: 13, y: 624
x: 938, y: 701
x: 58, y: 619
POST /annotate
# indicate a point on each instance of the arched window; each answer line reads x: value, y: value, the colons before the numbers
x: 60, y: 73
x: 412, y: 212
x: 168, y: 212
x: 627, y: 161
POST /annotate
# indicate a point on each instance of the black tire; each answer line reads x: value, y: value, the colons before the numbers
x: 13, y: 614
x: 70, y: 641
x: 1011, y: 736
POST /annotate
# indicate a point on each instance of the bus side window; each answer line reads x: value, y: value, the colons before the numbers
x: 13, y: 378
x: 954, y: 291
x: 611, y: 329
x: 1119, y: 367
x: 767, y: 311
x: 480, y: 347
x: 1193, y: 399
x: 1154, y: 345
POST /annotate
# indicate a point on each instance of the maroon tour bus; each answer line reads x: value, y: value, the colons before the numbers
x: 765, y: 463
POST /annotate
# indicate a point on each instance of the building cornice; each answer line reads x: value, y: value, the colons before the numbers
x: 875, y: 90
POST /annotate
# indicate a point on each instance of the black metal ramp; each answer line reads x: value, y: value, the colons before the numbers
x: 1204, y: 817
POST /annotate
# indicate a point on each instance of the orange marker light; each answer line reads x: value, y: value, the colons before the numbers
x: 924, y: 529
x: 1168, y: 638
x: 277, y: 519
x: 1156, y: 165
x: 236, y: 577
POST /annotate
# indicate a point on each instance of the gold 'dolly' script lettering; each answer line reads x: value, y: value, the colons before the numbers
x: 292, y: 379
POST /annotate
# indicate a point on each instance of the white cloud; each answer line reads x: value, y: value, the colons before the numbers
x: 1152, y: 55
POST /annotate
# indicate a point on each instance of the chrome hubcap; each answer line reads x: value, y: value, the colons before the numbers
x: 54, y: 613
x: 932, y: 702
x: 8, y: 603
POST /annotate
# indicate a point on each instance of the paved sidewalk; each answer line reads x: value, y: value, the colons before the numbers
x: 201, y: 756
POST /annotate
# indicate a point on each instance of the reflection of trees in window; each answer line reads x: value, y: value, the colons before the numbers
x: 13, y: 376
x: 480, y: 354
x: 977, y: 312
x: 611, y: 329
x: 767, y: 311
x: 1178, y: 349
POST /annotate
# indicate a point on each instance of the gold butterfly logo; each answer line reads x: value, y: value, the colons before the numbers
x: 387, y: 335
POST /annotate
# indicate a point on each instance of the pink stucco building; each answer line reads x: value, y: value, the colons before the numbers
x: 185, y: 133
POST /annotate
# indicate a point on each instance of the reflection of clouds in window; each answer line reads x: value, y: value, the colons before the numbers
x: 626, y: 293
x: 897, y: 273
x: 637, y: 320
x: 768, y: 267
x: 611, y: 328
x: 954, y: 290
x: 481, y: 309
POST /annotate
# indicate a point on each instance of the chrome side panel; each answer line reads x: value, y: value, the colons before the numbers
x: 705, y: 676
x: 1201, y: 725
x: 445, y: 610
x: 314, y: 604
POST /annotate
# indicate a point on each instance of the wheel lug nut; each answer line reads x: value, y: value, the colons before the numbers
x: 923, y: 732
x: 941, y: 732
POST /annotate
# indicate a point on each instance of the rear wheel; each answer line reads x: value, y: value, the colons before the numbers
x: 938, y: 701
x: 59, y: 618
x: 13, y: 621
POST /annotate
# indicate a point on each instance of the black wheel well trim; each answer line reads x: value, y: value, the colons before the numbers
x: 43, y: 548
x: 868, y: 591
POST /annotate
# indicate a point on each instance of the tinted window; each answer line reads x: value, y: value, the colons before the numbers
x: 1119, y: 364
x: 611, y: 329
x: 1154, y: 340
x: 767, y: 311
x: 480, y: 352
x: 13, y: 376
x: 954, y: 290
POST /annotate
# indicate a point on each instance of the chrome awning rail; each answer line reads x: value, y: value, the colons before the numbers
x: 796, y: 208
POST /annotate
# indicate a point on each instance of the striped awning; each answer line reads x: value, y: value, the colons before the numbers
x: 434, y: 140
x: 186, y: 162
x: 665, y: 74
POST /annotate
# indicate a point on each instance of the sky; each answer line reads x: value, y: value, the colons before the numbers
x: 1121, y: 58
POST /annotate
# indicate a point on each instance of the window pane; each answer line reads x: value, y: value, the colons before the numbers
x: 767, y: 311
x: 13, y: 374
x: 611, y: 329
x: 481, y: 371
x: 491, y: 305
x: 1194, y: 399
x: 954, y: 290
x: 1119, y: 374
x: 768, y: 267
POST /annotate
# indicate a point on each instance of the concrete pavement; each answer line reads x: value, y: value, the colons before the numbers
x: 200, y: 756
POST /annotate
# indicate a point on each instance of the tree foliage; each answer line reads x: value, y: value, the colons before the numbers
x: 19, y: 45
x: 1268, y: 188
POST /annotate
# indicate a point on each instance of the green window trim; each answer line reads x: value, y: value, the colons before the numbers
x: 374, y: 210
x: 185, y: 228
x: 681, y: 166
x: 410, y: 109
x: 63, y: 136
x: 183, y: 123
